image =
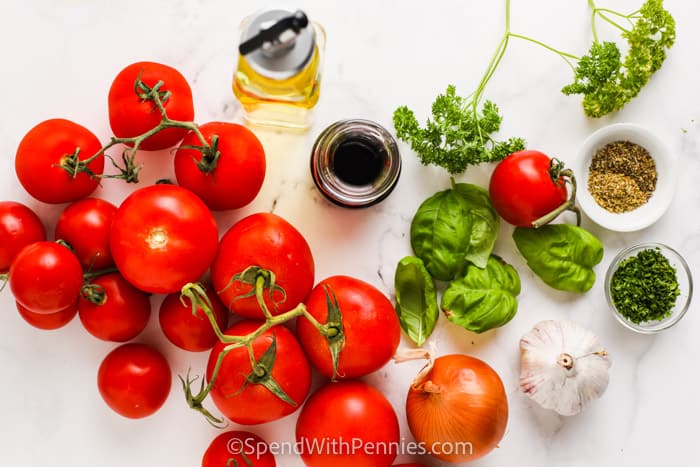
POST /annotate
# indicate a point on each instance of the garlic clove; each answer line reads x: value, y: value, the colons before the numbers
x: 563, y: 366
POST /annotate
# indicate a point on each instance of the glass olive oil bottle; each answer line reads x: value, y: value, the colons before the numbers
x: 278, y: 76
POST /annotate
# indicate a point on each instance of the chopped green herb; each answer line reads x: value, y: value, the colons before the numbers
x: 645, y: 287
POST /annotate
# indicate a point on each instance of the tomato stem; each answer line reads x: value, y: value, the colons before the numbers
x: 90, y: 275
x: 261, y: 369
x: 129, y: 170
x: 4, y: 278
x: 560, y: 175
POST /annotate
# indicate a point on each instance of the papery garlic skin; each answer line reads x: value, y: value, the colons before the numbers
x: 563, y: 366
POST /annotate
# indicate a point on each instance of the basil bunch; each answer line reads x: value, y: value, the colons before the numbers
x: 453, y: 234
x: 562, y: 255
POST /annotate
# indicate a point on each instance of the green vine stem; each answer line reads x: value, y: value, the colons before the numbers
x: 95, y: 293
x: 603, y: 13
x: 263, y: 280
x: 129, y: 171
x: 4, y: 278
x: 557, y: 172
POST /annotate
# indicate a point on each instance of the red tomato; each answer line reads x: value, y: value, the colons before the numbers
x: 48, y: 321
x: 123, y: 314
x: 250, y: 404
x: 134, y: 380
x: 522, y: 189
x: 85, y: 225
x: 46, y: 149
x: 19, y: 227
x: 412, y: 464
x: 238, y: 448
x: 268, y: 241
x: 355, y: 418
x: 130, y: 115
x: 46, y: 277
x: 237, y: 175
x: 163, y: 237
x: 187, y: 331
x: 370, y: 325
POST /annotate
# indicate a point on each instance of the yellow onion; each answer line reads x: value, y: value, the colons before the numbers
x: 457, y: 408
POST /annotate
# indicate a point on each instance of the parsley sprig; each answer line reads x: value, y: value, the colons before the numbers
x: 460, y: 133
x: 606, y: 81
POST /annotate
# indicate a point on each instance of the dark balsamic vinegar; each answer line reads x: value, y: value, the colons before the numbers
x: 359, y: 162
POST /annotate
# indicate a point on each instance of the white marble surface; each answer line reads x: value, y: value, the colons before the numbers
x: 59, y: 57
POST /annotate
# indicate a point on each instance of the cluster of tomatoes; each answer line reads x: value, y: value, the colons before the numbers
x: 108, y: 260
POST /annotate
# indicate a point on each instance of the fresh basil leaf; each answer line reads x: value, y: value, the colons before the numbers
x: 484, y: 298
x: 440, y: 234
x: 485, y: 223
x: 416, y: 299
x: 562, y: 255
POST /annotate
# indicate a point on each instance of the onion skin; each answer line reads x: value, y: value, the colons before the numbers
x: 459, y: 400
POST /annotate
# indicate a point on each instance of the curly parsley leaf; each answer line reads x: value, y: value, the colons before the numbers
x: 606, y: 81
x: 458, y: 135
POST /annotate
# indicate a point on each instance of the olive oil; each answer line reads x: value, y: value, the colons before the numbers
x: 279, y: 82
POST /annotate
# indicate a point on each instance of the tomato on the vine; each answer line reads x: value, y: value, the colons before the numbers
x: 46, y: 277
x: 189, y: 331
x: 19, y: 227
x: 270, y: 242
x: 371, y: 328
x: 163, y: 237
x: 526, y: 186
x: 134, y: 380
x: 48, y: 321
x: 122, y: 310
x: 240, y: 448
x: 49, y: 153
x: 131, y: 115
x: 353, y: 413
x: 244, y: 394
x: 85, y: 226
x: 230, y: 173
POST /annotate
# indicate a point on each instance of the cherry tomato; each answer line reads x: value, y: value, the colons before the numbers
x: 187, y: 331
x: 46, y: 277
x: 522, y: 189
x: 46, y: 149
x: 370, y: 325
x: 121, y: 316
x: 235, y: 178
x: 250, y: 404
x: 268, y: 241
x: 134, y: 380
x: 48, y: 321
x: 163, y: 237
x: 85, y: 226
x: 355, y: 417
x: 19, y: 227
x: 131, y: 115
x: 238, y: 448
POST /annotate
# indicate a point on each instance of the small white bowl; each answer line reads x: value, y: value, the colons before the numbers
x: 666, y: 169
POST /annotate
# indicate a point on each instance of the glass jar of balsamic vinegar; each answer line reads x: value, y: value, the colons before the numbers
x: 278, y: 76
x: 355, y: 163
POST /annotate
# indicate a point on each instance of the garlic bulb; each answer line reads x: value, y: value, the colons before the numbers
x: 562, y: 366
